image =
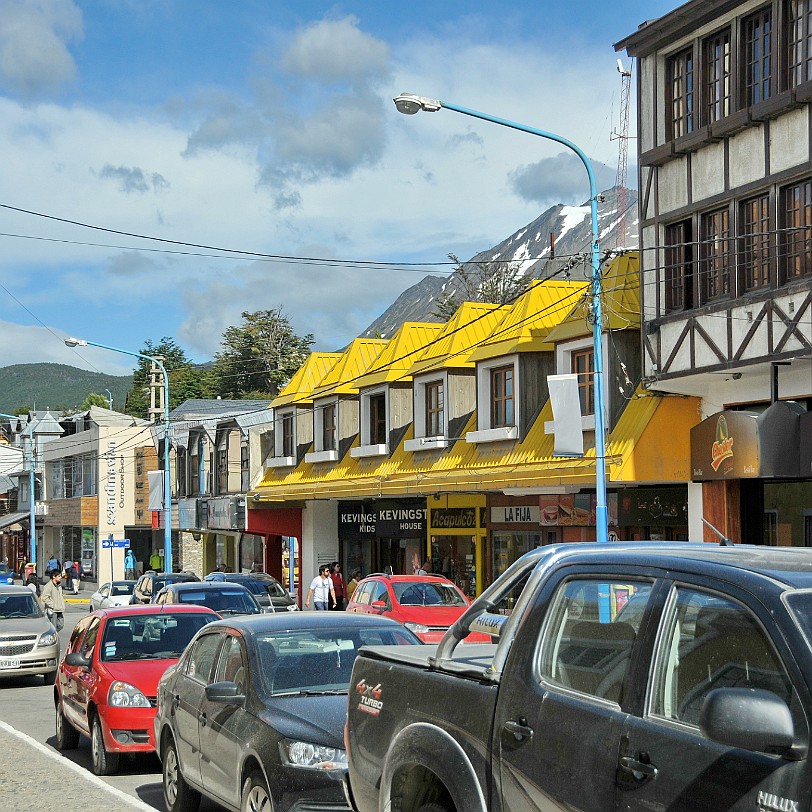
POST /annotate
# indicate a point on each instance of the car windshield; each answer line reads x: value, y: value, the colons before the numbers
x: 19, y: 606
x: 419, y: 593
x: 318, y: 661
x: 150, y: 637
x: 275, y: 589
x: 121, y: 589
x: 226, y: 601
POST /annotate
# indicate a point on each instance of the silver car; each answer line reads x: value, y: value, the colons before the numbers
x: 29, y: 643
x: 115, y: 593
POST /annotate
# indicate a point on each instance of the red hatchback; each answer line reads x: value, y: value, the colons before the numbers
x: 425, y: 604
x: 106, y: 685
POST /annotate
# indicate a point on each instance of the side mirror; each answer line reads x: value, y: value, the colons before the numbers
x: 749, y: 718
x: 227, y: 692
x: 77, y: 660
x: 378, y: 605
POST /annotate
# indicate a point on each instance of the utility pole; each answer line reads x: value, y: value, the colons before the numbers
x: 157, y: 393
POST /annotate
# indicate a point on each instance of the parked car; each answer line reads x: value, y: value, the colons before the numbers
x: 253, y: 714
x: 223, y: 598
x: 6, y: 575
x: 113, y: 593
x: 633, y: 675
x: 29, y: 643
x: 151, y: 583
x: 107, y: 682
x: 265, y: 588
x: 426, y: 604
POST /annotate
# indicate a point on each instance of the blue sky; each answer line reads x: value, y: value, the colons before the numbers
x: 268, y: 127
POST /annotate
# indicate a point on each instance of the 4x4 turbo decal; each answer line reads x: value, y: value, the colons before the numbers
x: 370, y: 698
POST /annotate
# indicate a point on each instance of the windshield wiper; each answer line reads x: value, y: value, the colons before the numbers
x: 306, y: 692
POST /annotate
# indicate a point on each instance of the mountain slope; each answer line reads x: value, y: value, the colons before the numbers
x: 530, y: 247
x: 56, y: 387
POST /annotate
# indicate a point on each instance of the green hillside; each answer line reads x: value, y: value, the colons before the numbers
x: 56, y: 386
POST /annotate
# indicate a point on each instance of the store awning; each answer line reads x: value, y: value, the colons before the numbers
x: 13, y: 518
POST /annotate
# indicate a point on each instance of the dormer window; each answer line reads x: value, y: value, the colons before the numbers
x: 430, y: 415
x: 583, y: 365
x: 284, y: 440
x: 435, y: 409
x: 286, y: 430
x: 497, y: 401
x: 374, y: 425
x: 325, y: 432
x: 502, y: 396
x: 328, y: 427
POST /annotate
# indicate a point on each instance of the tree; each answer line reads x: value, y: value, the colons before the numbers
x: 259, y: 357
x: 494, y: 282
x: 185, y: 379
x: 94, y: 399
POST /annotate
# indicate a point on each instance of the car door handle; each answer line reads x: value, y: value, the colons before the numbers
x: 202, y: 719
x: 640, y: 766
x: 176, y: 701
x: 520, y: 729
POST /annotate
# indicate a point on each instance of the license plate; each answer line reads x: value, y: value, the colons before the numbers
x: 9, y: 662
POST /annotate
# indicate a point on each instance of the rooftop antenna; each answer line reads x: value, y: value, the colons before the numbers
x: 724, y: 541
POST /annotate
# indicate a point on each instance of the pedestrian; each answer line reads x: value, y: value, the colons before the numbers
x: 54, y: 600
x: 52, y: 565
x: 32, y: 582
x: 321, y: 588
x: 424, y: 569
x: 353, y: 584
x: 130, y: 565
x: 155, y: 561
x: 78, y: 572
x: 339, y: 587
x: 69, y: 575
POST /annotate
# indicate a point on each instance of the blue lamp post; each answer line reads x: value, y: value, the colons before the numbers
x: 80, y: 342
x: 409, y: 104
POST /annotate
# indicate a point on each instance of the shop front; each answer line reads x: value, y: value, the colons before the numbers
x: 756, y: 474
x: 382, y: 535
x: 276, y: 534
x: 225, y: 525
x: 514, y: 528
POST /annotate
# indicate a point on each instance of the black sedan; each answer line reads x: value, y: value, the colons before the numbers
x: 265, y: 588
x: 225, y: 599
x: 253, y: 714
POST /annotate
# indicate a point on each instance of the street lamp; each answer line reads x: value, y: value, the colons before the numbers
x: 81, y: 342
x: 409, y: 104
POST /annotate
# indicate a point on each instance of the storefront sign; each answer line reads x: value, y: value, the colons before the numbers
x: 461, y: 517
x: 226, y: 513
x: 516, y: 514
x: 188, y: 517
x: 574, y: 509
x: 382, y: 519
x: 666, y: 507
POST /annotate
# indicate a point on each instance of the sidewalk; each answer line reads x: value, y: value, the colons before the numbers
x: 82, y: 596
x: 28, y: 769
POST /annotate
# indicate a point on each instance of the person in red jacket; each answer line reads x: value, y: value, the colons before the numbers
x: 339, y: 587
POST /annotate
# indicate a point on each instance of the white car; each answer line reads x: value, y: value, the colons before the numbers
x: 113, y: 593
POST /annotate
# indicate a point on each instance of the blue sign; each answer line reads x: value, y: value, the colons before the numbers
x: 108, y: 543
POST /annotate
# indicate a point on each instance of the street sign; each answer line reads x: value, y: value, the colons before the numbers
x: 109, y: 543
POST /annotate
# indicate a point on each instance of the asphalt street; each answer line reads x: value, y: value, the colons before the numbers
x: 30, y: 764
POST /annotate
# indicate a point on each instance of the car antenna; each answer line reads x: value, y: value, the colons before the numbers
x: 724, y: 541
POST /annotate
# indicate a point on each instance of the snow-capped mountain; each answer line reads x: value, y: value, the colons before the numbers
x: 533, y: 250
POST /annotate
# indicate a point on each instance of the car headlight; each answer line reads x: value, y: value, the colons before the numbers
x: 417, y: 628
x: 124, y: 695
x: 312, y: 756
x: 48, y: 638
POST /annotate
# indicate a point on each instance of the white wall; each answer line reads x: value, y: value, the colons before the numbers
x: 319, y: 539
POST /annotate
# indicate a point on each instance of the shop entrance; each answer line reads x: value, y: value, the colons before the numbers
x: 456, y: 558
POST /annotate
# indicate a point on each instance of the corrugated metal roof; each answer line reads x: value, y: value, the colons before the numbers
x: 545, y: 304
x: 309, y: 375
x: 354, y: 362
x: 620, y: 302
x: 405, y: 346
x: 465, y: 330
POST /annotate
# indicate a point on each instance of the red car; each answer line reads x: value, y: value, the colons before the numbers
x: 107, y: 683
x: 425, y: 604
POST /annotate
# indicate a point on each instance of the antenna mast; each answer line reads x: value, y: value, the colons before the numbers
x: 621, y: 193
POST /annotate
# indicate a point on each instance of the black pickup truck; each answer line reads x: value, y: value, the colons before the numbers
x: 633, y: 676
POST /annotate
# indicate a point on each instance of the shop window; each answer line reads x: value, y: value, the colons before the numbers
x: 715, y: 253
x: 716, y: 71
x: 795, y: 228
x: 681, y: 93
x: 771, y: 528
x: 757, y: 58
x: 679, y: 266
x: 754, y: 243
x: 797, y: 45
x: 583, y: 365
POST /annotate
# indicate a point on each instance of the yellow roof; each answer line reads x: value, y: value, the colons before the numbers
x: 354, y: 362
x: 403, y: 348
x: 649, y: 443
x: 525, y: 326
x: 468, y: 327
x: 620, y: 302
x: 307, y: 377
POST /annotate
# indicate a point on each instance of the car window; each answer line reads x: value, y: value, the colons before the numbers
x: 89, y: 640
x: 421, y: 593
x: 105, y: 590
x: 121, y: 589
x: 707, y: 644
x: 202, y: 656
x: 17, y: 606
x: 362, y: 593
x: 78, y: 631
x: 586, y: 644
x: 231, y: 666
x: 146, y: 585
x: 379, y: 592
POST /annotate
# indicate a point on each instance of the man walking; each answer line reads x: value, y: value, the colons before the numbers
x: 54, y: 600
x: 321, y: 589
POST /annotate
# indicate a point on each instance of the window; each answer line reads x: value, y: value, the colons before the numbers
x: 435, y: 409
x: 587, y: 645
x: 230, y: 668
x: 758, y: 64
x: 716, y: 69
x: 771, y: 528
x: 583, y: 365
x: 754, y: 242
x: 202, y: 656
x: 195, y: 458
x: 711, y: 642
x: 222, y: 466
x: 328, y: 427
x: 286, y: 425
x: 244, y: 467
x: 795, y: 224
x: 502, y: 396
x: 377, y: 419
x: 679, y: 266
x: 716, y: 260
x: 798, y: 42
x: 681, y: 93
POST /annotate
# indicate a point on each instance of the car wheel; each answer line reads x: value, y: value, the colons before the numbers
x: 67, y: 736
x: 104, y: 762
x: 178, y: 795
x: 49, y: 678
x: 255, y: 794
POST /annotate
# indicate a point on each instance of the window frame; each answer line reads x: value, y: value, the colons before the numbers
x: 796, y: 43
x: 753, y: 234
x: 586, y: 379
x: 678, y: 273
x: 502, y: 403
x: 716, y: 67
x: 681, y: 93
x: 757, y: 57
x: 434, y: 408
x: 715, y: 273
x: 794, y: 248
